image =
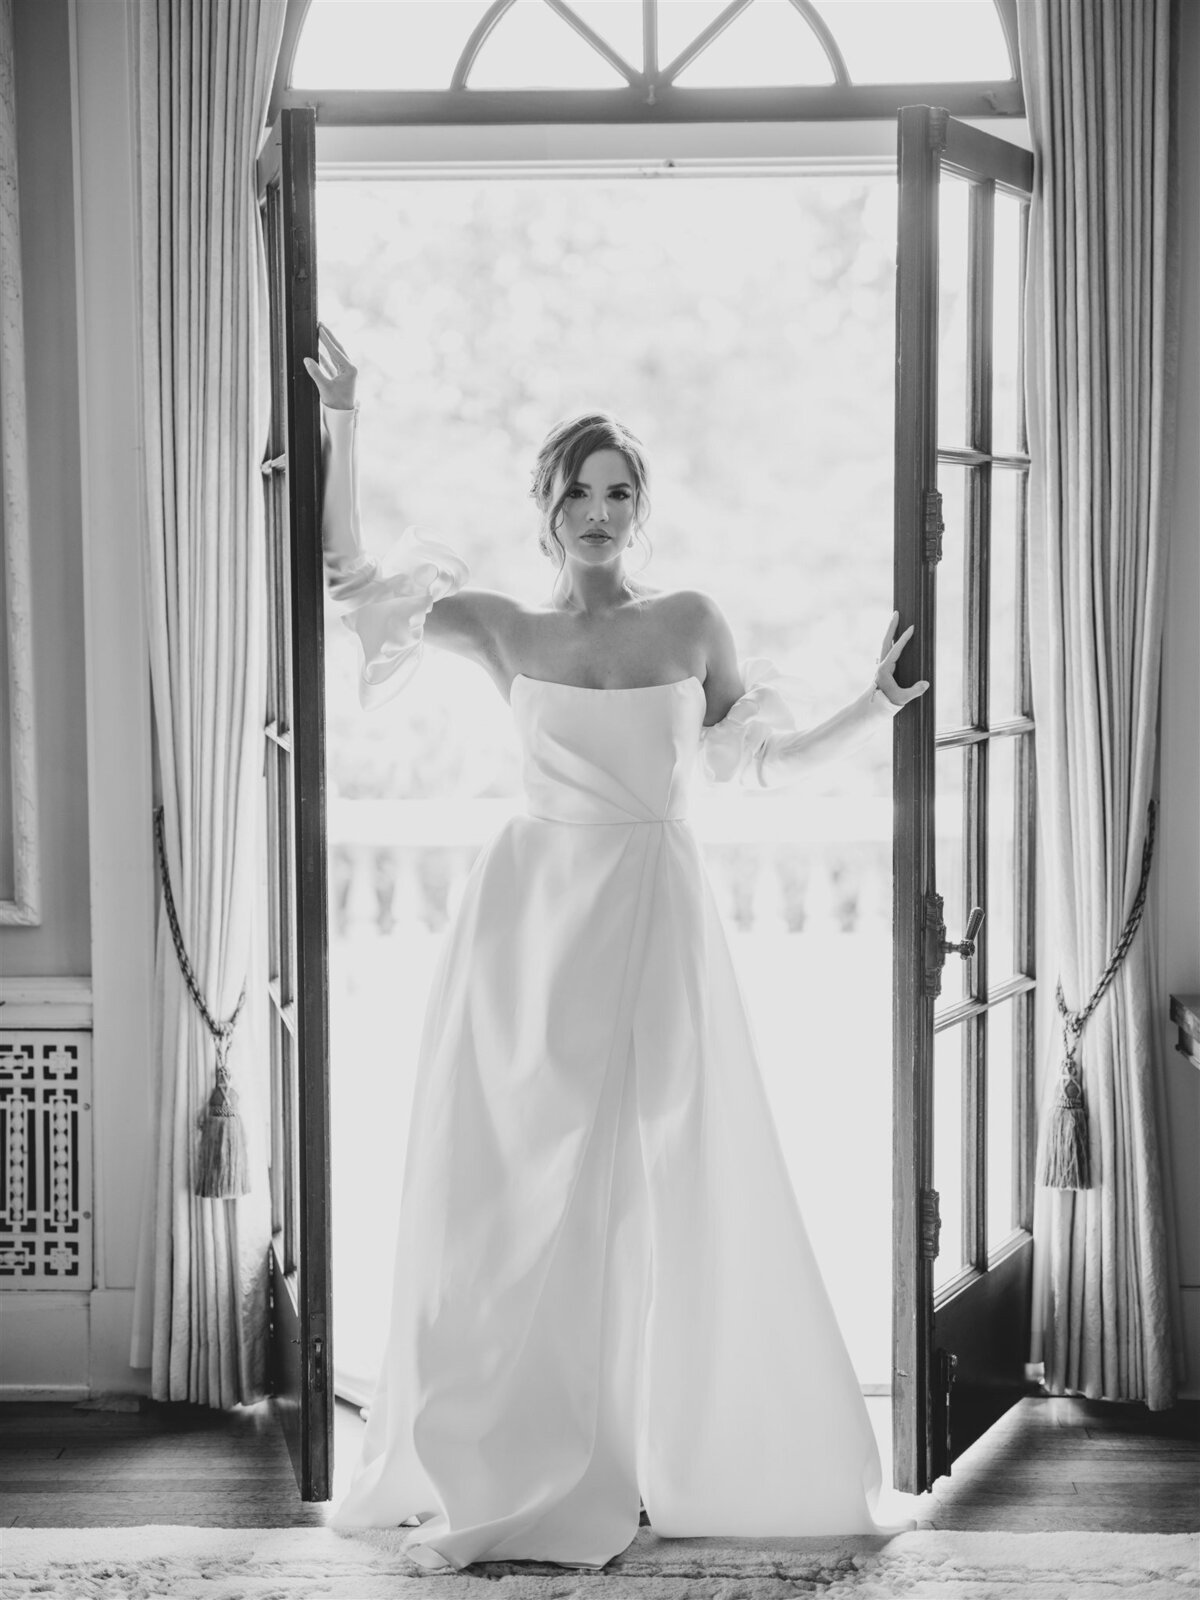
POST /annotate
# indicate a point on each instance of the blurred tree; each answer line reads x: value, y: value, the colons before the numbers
x: 741, y: 326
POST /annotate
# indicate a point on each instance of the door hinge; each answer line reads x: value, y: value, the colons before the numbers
x: 935, y: 526
x: 316, y: 1365
x: 939, y: 120
x: 931, y: 1224
x: 299, y: 253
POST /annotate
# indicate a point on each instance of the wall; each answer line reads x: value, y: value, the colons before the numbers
x: 75, y: 103
x: 61, y: 944
x: 1177, y: 920
x: 74, y: 100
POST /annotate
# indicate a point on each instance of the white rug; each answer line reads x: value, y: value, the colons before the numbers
x: 317, y: 1564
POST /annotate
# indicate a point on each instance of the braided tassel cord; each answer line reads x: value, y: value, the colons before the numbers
x: 1065, y: 1162
x: 222, y: 1163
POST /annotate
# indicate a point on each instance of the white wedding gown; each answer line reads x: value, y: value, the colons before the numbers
x: 604, y: 1289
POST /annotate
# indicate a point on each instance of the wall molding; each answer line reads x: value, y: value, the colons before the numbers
x: 116, y: 655
x: 24, y: 907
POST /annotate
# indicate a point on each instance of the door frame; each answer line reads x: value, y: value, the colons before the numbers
x: 355, y: 149
x: 301, y: 1247
x: 985, y: 1373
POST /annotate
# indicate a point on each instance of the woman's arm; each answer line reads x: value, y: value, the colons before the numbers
x: 467, y: 621
x: 476, y: 623
x: 754, y: 739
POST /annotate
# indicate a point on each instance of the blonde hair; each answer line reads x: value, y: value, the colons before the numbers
x: 564, y: 450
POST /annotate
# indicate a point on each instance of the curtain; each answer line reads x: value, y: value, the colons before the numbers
x: 203, y: 75
x: 1098, y: 347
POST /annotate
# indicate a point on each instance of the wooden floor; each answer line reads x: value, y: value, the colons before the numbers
x: 1050, y: 1463
x: 1076, y: 1464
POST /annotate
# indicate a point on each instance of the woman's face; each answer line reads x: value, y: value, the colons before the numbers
x: 597, y: 516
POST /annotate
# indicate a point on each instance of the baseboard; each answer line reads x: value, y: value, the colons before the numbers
x: 60, y: 1345
x: 31, y: 1391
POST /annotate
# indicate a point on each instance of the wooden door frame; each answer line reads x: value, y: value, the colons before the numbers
x: 926, y: 1327
x: 301, y: 1290
x: 914, y: 1218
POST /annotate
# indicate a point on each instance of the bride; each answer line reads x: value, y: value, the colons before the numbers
x: 604, y: 1295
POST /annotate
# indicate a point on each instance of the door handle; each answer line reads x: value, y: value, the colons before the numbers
x: 966, y: 945
x: 937, y: 946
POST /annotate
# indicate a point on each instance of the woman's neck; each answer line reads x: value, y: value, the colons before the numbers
x: 591, y: 591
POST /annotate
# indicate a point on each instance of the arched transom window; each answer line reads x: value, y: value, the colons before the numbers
x: 647, y: 60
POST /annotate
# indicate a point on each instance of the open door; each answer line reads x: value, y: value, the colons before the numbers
x: 294, y: 756
x: 964, y: 776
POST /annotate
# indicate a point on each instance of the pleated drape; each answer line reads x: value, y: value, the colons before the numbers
x: 1099, y: 347
x: 203, y: 78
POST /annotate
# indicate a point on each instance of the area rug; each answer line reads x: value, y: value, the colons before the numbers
x: 317, y: 1564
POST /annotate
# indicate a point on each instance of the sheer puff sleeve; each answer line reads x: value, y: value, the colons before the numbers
x: 383, y: 602
x: 757, y: 743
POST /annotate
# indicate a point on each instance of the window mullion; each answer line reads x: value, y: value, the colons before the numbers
x: 601, y: 46
x: 650, y: 39
x: 979, y: 424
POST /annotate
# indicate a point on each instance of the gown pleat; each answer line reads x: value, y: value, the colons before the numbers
x: 604, y: 1291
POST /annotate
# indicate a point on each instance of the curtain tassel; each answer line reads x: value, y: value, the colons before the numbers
x: 1065, y: 1163
x: 1065, y: 1160
x: 223, y: 1167
x: 222, y: 1162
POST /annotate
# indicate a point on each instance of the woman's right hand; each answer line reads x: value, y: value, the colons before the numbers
x: 336, y: 387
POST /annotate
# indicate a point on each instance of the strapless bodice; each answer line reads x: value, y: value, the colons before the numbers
x: 608, y: 755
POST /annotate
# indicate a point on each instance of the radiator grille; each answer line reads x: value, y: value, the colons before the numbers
x: 45, y: 1159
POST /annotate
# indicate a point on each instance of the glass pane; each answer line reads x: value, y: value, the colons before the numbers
x: 950, y: 651
x: 918, y: 41
x: 273, y: 854
x: 287, y: 880
x: 768, y: 43
x: 1007, y: 433
x: 283, y: 612
x: 948, y: 1149
x: 383, y: 44
x: 1002, y: 876
x: 276, y: 1143
x: 618, y: 22
x: 679, y: 21
x: 271, y: 522
x: 289, y: 1154
x: 949, y: 878
x: 532, y: 48
x: 1007, y: 618
x: 1001, y: 1133
x: 953, y: 276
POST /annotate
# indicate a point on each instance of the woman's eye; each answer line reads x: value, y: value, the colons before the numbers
x: 620, y: 494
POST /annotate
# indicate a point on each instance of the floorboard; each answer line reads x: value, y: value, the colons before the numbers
x: 1048, y: 1464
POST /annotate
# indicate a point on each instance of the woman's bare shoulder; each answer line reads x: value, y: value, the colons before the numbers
x: 700, y: 619
x: 696, y: 610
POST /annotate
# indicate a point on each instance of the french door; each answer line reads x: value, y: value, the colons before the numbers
x: 964, y: 777
x: 294, y: 764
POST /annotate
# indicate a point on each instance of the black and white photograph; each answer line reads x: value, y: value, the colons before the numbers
x: 600, y: 799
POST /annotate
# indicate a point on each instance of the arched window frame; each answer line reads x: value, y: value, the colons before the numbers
x: 651, y: 95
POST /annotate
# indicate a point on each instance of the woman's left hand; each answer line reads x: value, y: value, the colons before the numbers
x: 884, y: 676
x: 336, y: 380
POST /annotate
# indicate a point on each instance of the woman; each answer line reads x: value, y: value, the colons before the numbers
x: 603, y: 1288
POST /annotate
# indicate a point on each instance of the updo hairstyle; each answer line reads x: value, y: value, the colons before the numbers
x: 565, y: 448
